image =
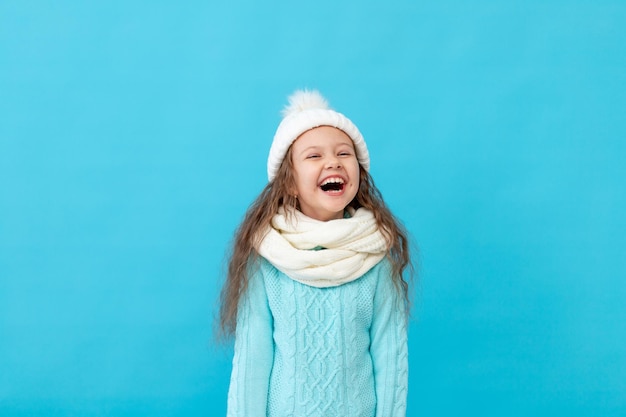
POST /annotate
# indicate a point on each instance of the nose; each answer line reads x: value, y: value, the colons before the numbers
x: 333, y: 162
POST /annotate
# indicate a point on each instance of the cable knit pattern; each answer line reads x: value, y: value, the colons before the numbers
x: 320, y: 352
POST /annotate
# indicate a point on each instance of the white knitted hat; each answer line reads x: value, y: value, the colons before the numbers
x: 306, y: 110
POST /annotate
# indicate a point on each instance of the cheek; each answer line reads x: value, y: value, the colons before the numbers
x: 304, y: 176
x: 294, y: 184
x: 357, y: 179
x: 300, y: 182
x: 356, y: 174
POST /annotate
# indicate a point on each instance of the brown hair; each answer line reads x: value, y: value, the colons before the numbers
x: 259, y: 215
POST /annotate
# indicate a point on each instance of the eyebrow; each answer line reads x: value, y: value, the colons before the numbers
x: 317, y: 147
x: 309, y: 149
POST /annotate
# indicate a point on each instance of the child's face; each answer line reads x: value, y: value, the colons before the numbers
x: 326, y: 172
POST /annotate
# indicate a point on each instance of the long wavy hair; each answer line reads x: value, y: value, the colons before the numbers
x: 279, y: 192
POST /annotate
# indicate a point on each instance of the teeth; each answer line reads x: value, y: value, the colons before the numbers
x: 332, y: 180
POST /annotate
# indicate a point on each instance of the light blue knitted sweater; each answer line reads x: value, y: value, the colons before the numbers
x: 305, y: 351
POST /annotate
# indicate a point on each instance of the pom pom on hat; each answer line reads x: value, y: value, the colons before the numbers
x: 302, y: 100
x: 305, y: 111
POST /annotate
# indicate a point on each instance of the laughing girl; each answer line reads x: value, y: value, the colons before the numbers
x: 316, y: 294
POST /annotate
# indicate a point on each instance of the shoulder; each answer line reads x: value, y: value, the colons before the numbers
x: 384, y: 266
x: 260, y: 267
x: 263, y: 274
x: 377, y: 276
x: 385, y: 286
x: 265, y: 268
x: 382, y: 271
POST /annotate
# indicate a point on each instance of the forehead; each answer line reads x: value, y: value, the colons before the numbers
x: 322, y: 136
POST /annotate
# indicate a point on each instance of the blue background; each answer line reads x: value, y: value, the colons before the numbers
x: 134, y: 134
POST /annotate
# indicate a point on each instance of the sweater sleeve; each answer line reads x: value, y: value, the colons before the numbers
x: 389, y: 347
x: 254, y: 353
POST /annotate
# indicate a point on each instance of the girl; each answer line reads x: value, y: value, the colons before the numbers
x: 315, y: 293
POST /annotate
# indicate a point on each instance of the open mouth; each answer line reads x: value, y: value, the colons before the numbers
x: 334, y: 184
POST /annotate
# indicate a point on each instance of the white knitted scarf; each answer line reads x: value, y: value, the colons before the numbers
x: 345, y: 249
